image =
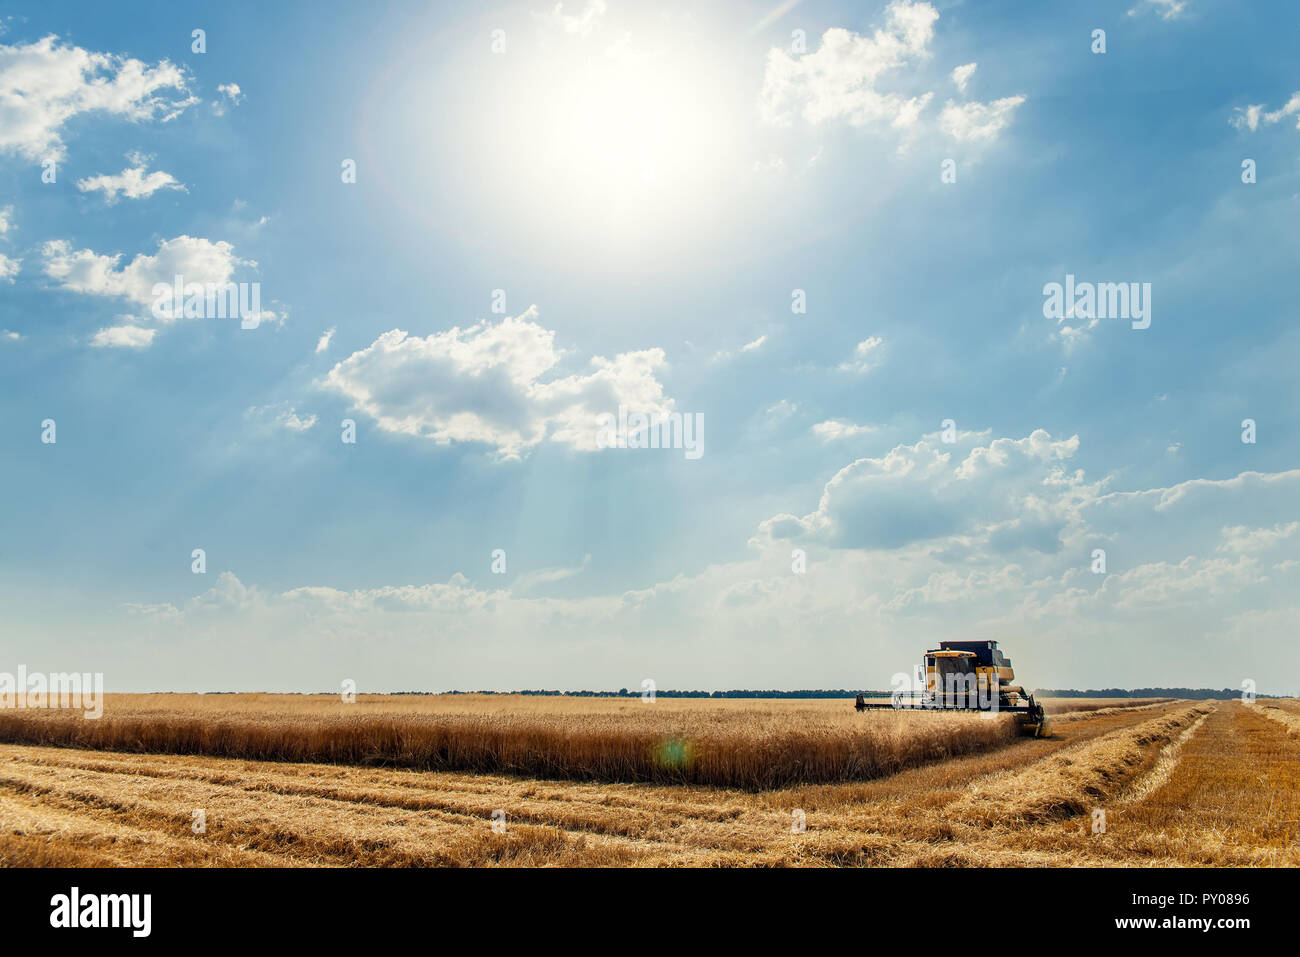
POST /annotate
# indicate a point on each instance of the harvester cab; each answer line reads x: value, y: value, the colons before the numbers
x: 970, y: 676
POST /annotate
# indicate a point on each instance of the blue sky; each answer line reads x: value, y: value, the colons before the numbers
x: 647, y: 189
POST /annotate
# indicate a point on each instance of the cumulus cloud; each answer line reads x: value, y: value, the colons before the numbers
x: 123, y: 337
x: 962, y: 74
x: 44, y: 84
x: 135, y: 182
x: 838, y: 81
x: 493, y: 384
x: 323, y: 342
x: 6, y: 219
x: 842, y: 80
x: 94, y: 274
x: 978, y: 121
x: 1243, y: 538
x: 1011, y: 493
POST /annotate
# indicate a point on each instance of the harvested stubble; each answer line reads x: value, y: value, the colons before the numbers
x: 748, y: 748
x: 1288, y: 719
x: 1064, y: 706
x: 1076, y: 779
x: 1136, y: 708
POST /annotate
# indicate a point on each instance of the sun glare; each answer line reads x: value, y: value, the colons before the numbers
x: 626, y: 140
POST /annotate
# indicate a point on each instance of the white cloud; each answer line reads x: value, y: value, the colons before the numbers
x: 840, y: 80
x: 1244, y: 539
x: 1249, y: 117
x: 1010, y: 494
x: 834, y: 429
x: 723, y: 354
x: 133, y: 183
x: 43, y: 85
x: 293, y: 422
x: 485, y: 384
x: 8, y: 266
x: 547, y: 576
x: 229, y: 94
x: 962, y: 74
x: 324, y: 342
x: 1167, y: 9
x: 863, y: 356
x: 280, y: 415
x: 197, y: 260
x: 978, y: 121
x: 123, y: 337
x: 1073, y: 336
x: 11, y: 336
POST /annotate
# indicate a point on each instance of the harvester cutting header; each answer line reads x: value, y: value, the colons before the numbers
x: 968, y: 676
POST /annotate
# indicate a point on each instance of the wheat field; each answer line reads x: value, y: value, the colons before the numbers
x: 729, y: 743
x: 1179, y: 783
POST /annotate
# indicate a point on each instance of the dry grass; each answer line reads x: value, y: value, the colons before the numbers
x: 752, y: 745
x: 1180, y: 787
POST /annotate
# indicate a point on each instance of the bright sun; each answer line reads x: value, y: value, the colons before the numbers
x: 623, y: 136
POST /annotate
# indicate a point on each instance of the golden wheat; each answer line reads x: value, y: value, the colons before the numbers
x: 743, y: 746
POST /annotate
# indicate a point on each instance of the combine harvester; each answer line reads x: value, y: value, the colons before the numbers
x: 969, y: 676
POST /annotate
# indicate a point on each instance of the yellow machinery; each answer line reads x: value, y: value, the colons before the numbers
x: 970, y: 676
